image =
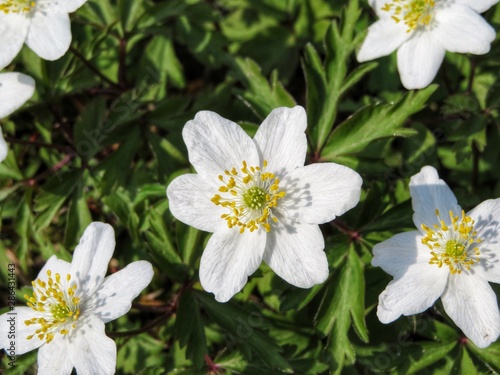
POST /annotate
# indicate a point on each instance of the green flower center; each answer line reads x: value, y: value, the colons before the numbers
x: 454, y: 248
x: 255, y: 197
x: 414, y: 13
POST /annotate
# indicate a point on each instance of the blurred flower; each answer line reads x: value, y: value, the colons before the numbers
x: 15, y: 90
x: 422, y: 30
x: 453, y: 255
x: 259, y: 200
x: 70, y: 304
x: 43, y: 25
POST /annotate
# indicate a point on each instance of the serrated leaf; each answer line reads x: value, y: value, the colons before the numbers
x: 189, y: 328
x: 262, y: 95
x: 79, y: 216
x: 374, y: 122
x: 51, y: 197
x: 244, y: 331
x: 421, y: 356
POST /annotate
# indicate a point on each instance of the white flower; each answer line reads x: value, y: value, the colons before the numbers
x: 43, y: 25
x: 422, y: 30
x: 259, y: 200
x: 15, y: 90
x: 453, y: 255
x: 70, y: 304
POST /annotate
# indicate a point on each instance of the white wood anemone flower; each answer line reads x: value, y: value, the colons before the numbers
x: 453, y: 255
x: 15, y: 90
x: 44, y: 26
x: 70, y: 304
x: 259, y: 200
x: 422, y: 31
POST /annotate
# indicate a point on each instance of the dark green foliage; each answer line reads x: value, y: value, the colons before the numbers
x: 101, y: 140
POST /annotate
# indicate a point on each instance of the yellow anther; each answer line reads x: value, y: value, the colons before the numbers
x: 55, y: 302
x: 249, y: 194
x: 451, y: 246
x: 414, y: 13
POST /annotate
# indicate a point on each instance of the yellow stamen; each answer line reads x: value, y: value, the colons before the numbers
x: 414, y: 13
x: 55, y: 305
x: 452, y: 245
x: 249, y: 194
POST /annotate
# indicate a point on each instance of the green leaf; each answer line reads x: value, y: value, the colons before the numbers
x: 244, y: 329
x: 52, y: 196
x: 343, y: 303
x: 22, y: 364
x: 79, y: 216
x: 190, y: 329
x: 88, y: 132
x: 490, y: 355
x: 422, y: 356
x: 163, y: 251
x: 261, y: 95
x: 466, y: 366
x: 374, y: 122
x: 117, y: 166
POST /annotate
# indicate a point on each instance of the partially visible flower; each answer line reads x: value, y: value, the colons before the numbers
x: 259, y: 200
x: 71, y: 302
x: 453, y: 255
x: 43, y: 25
x: 15, y: 90
x: 422, y: 30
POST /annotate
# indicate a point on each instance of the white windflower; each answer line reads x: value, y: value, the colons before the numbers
x: 43, y: 25
x: 453, y: 255
x: 15, y: 90
x: 259, y: 200
x: 71, y: 302
x: 422, y: 30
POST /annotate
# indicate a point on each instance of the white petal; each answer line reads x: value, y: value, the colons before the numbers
x: 114, y: 298
x: 479, y: 6
x: 399, y: 252
x: 59, y: 6
x: 91, y: 257
x: 281, y: 139
x: 15, y: 90
x: 461, y: 29
x: 55, y: 358
x: 419, y: 59
x: 93, y: 352
x: 296, y: 254
x: 383, y: 38
x: 189, y: 198
x: 215, y: 144
x: 21, y: 331
x: 487, y: 224
x: 317, y: 193
x: 49, y: 35
x: 228, y: 260
x: 413, y: 292
x: 4, y: 149
x: 429, y: 193
x: 472, y: 305
x: 54, y: 265
x: 13, y: 30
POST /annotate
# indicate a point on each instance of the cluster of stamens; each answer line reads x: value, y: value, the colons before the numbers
x: 16, y: 6
x: 57, y: 307
x: 413, y: 13
x: 452, y: 245
x: 250, y: 194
